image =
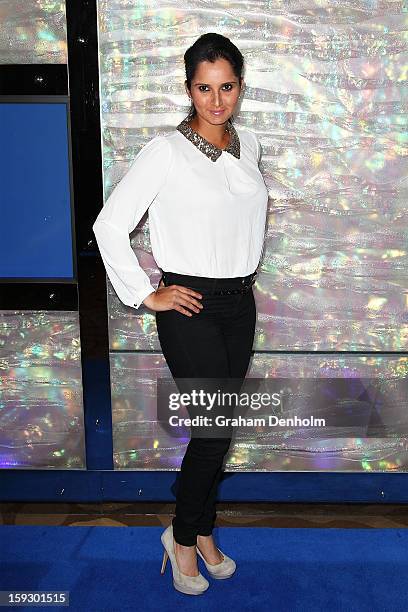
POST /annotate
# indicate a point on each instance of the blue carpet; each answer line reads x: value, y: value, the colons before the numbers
x: 118, y: 568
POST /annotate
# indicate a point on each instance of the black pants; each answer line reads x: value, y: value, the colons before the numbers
x: 215, y: 343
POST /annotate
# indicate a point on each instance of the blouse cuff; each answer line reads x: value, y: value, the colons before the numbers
x: 142, y: 296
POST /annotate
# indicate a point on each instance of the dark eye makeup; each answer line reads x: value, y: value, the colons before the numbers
x: 229, y: 85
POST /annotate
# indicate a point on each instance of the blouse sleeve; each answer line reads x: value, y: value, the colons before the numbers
x: 258, y: 148
x: 121, y: 213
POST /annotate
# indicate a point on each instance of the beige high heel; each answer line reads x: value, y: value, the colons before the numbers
x: 190, y: 585
x: 225, y: 569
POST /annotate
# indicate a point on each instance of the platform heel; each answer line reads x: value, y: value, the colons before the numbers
x: 225, y: 569
x: 190, y: 585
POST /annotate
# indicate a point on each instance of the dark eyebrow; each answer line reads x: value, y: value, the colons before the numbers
x: 226, y: 83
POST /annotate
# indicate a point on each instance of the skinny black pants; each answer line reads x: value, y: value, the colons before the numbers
x: 214, y: 343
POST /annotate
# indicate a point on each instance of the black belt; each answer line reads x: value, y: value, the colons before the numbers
x: 247, y: 283
x: 241, y: 290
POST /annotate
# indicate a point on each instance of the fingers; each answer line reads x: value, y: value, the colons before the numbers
x: 190, y: 303
x: 191, y: 296
x: 186, y: 297
x: 188, y: 291
x: 183, y: 310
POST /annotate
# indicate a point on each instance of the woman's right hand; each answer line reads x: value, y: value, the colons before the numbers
x: 174, y: 297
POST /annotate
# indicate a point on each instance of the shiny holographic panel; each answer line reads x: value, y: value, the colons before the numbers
x: 41, y: 408
x: 142, y: 93
x: 140, y: 443
x: 325, y: 92
x: 33, y: 32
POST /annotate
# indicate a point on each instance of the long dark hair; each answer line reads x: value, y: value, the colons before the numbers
x: 209, y: 47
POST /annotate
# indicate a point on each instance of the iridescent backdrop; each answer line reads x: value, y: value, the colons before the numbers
x: 326, y: 94
x: 33, y: 32
x: 41, y: 408
x: 41, y: 398
x: 140, y: 442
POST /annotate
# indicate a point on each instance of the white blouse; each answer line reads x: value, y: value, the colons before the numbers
x: 207, y: 211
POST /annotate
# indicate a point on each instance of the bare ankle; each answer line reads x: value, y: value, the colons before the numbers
x: 186, y: 558
x: 183, y: 546
x: 205, y: 540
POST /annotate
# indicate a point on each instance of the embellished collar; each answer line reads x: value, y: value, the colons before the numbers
x: 210, y: 150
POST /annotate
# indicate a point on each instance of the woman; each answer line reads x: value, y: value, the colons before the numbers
x: 207, y: 205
